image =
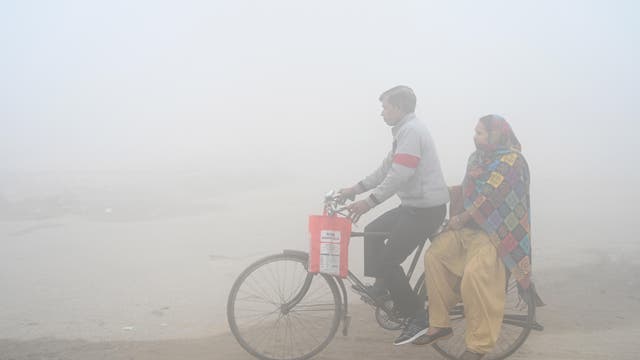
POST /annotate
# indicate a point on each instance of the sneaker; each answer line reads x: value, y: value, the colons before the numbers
x: 430, y: 339
x: 412, y: 330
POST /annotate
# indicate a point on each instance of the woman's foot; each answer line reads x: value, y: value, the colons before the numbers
x: 433, y: 334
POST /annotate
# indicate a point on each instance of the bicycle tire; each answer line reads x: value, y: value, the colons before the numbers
x: 286, y: 347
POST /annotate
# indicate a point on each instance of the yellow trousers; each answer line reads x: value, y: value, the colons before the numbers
x: 466, y: 260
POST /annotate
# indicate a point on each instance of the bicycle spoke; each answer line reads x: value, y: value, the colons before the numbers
x: 259, y: 315
x: 255, y: 299
x: 311, y: 306
x: 307, y: 327
x: 262, y: 290
x: 255, y: 324
x: 270, y: 334
x: 277, y: 285
x: 262, y: 336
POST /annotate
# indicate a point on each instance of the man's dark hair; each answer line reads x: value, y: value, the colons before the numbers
x: 401, y: 97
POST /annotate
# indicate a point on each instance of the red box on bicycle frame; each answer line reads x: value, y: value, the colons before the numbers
x: 329, y: 245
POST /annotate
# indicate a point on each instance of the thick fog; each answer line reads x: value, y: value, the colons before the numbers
x: 150, y: 150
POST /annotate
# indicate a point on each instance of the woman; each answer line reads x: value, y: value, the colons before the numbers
x: 489, y: 236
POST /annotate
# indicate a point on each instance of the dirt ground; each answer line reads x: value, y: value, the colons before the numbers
x: 592, y: 312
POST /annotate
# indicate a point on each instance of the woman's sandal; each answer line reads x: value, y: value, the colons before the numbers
x: 430, y: 339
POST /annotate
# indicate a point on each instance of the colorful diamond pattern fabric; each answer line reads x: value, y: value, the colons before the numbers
x: 498, y: 198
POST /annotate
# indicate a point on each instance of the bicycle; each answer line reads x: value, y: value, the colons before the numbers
x: 277, y: 310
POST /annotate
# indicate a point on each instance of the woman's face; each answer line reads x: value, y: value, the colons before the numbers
x: 481, y: 138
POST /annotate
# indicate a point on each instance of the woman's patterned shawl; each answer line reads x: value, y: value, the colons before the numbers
x: 496, y: 190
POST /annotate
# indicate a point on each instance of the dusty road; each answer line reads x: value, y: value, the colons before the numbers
x: 593, y: 312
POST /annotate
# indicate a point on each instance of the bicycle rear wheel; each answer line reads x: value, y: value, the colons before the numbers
x: 278, y: 311
x: 519, y: 317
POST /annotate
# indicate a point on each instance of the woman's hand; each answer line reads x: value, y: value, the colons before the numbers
x: 455, y: 223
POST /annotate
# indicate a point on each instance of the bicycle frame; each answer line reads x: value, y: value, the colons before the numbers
x: 351, y: 277
x: 414, y: 261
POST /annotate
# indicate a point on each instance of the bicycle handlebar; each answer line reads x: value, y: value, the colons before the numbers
x: 332, y: 204
x: 332, y: 207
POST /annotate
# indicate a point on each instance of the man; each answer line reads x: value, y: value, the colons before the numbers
x: 412, y: 171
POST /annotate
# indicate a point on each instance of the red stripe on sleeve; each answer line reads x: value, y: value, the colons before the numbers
x: 407, y: 160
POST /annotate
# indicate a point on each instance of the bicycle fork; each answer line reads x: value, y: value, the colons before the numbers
x: 343, y: 306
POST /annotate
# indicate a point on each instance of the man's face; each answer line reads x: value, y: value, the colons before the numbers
x: 390, y: 113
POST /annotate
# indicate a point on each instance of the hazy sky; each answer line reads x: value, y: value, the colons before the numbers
x: 286, y: 92
x: 281, y: 84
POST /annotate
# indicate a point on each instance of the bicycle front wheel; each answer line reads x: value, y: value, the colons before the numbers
x: 278, y: 311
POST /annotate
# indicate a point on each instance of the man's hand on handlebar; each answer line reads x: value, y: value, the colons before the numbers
x: 346, y: 194
x: 357, y: 209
